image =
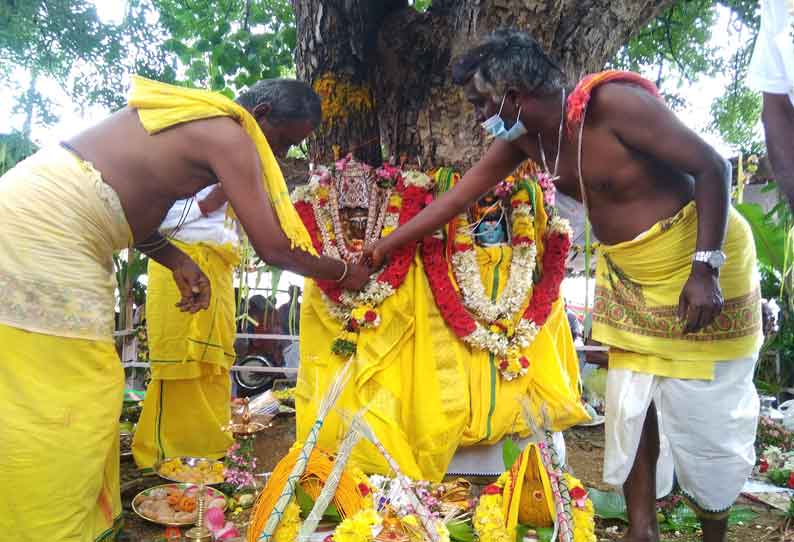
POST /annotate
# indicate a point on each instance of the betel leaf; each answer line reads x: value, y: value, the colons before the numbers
x: 510, y: 452
x: 608, y: 505
x: 460, y: 531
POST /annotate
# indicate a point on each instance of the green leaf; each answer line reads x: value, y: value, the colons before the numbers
x: 770, y: 240
x: 460, y: 531
x: 332, y: 514
x: 741, y: 514
x: 521, y: 532
x: 608, y: 505
x: 544, y: 534
x: 510, y: 452
x: 305, y: 502
x: 682, y: 518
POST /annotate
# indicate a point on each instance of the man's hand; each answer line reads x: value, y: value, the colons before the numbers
x: 214, y: 200
x: 193, y: 284
x: 701, y: 299
x: 356, y: 278
x: 375, y: 254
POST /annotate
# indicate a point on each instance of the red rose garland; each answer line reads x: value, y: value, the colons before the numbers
x: 557, y: 243
x: 413, y: 199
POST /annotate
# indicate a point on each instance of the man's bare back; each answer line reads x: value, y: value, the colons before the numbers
x: 150, y: 172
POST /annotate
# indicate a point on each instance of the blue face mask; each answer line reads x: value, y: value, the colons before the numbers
x: 495, y: 126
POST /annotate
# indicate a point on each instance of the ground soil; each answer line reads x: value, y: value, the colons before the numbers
x: 585, y: 454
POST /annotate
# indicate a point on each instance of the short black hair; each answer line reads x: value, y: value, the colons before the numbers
x: 506, y: 58
x: 289, y: 99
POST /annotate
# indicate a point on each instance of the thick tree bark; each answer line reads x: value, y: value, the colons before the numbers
x: 396, y: 63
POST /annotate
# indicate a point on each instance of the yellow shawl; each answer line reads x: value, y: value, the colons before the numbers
x: 638, y: 284
x: 161, y: 106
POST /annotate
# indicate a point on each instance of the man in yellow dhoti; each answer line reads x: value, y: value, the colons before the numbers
x: 187, y: 401
x: 657, y: 196
x: 62, y: 215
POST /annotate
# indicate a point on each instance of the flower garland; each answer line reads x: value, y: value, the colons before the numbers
x: 290, y: 524
x: 498, y: 333
x: 357, y: 310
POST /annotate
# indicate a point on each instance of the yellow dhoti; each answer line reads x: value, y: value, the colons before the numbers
x: 61, y: 383
x: 409, y: 372
x: 187, y: 401
x: 638, y: 284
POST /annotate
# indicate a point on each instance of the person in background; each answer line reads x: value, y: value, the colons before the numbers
x: 772, y: 72
x: 187, y: 401
x: 289, y: 312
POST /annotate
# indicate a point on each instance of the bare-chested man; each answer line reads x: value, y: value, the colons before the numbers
x: 63, y: 212
x: 657, y: 196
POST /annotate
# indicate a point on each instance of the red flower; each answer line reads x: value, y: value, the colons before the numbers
x: 791, y: 480
x: 492, y: 489
x: 763, y: 466
x: 352, y: 325
x: 370, y: 316
x: 363, y: 489
x: 577, y: 493
x: 524, y: 362
x: 503, y: 365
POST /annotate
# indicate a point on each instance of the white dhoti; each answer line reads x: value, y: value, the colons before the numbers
x: 706, y: 430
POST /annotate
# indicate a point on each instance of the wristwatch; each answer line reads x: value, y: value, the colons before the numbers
x: 713, y: 258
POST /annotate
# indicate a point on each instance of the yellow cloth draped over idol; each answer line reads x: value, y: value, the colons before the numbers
x: 409, y: 371
x: 638, y: 284
x: 429, y: 393
x: 61, y: 382
x: 551, y: 385
x: 187, y: 401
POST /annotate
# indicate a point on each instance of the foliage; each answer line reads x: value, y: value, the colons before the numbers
x: 421, y: 5
x: 676, y: 39
x: 14, y: 148
x: 227, y: 45
x: 674, y: 47
x: 65, y: 40
x: 672, y: 512
x: 130, y: 266
x: 773, y: 249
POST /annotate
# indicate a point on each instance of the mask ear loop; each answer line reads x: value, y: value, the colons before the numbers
x: 473, y: 227
x: 501, y: 106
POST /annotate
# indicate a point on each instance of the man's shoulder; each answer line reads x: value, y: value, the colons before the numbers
x: 219, y: 129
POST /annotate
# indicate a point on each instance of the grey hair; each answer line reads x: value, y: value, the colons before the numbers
x: 289, y: 99
x: 509, y: 58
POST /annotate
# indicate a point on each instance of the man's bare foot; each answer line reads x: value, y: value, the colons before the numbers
x: 641, y: 535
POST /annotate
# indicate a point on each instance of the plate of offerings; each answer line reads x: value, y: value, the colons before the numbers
x: 175, y: 504
x: 192, y: 470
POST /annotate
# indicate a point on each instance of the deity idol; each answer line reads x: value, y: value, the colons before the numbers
x: 445, y: 339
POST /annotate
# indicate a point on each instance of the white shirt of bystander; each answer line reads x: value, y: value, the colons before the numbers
x: 772, y: 65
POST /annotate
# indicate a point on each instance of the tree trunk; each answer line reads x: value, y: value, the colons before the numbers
x: 382, y: 68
